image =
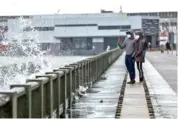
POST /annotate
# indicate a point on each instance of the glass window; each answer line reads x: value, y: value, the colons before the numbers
x: 125, y: 27
x: 75, y: 25
x: 44, y: 28
x: 80, y: 43
x: 39, y: 28
x: 114, y: 27
x: 28, y: 29
x: 174, y: 14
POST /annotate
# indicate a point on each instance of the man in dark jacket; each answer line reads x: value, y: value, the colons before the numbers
x: 168, y: 47
x: 140, y: 50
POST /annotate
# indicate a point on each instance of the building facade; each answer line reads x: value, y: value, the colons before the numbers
x: 83, y: 34
x: 168, y: 24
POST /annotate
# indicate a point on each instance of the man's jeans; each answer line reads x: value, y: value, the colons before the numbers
x: 130, y: 64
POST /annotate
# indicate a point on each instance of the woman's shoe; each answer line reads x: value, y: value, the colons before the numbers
x: 131, y: 82
x: 142, y: 79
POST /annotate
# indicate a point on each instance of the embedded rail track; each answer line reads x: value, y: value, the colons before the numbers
x: 120, y: 111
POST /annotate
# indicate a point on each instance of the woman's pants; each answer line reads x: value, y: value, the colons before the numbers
x: 140, y: 69
x: 129, y: 62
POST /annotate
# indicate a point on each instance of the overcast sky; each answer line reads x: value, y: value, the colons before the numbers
x: 25, y: 7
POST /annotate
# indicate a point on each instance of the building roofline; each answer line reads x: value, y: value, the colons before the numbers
x: 150, y: 12
x: 116, y: 13
x: 17, y: 15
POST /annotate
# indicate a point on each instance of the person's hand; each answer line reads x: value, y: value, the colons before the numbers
x: 118, y: 40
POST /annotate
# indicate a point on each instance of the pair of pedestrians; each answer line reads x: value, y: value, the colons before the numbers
x: 135, y: 47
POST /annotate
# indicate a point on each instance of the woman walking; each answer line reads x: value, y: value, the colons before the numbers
x: 140, y: 53
x: 129, y: 45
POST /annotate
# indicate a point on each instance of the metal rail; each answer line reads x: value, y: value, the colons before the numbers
x: 147, y: 97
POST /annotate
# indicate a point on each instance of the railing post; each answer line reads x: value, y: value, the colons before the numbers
x: 13, y: 97
x: 14, y: 105
x: 89, y: 72
x: 28, y: 99
x: 41, y: 100
x: 86, y: 71
x: 82, y: 75
x: 58, y: 92
x: 73, y: 84
x: 97, y: 64
x: 78, y: 77
x: 94, y: 69
x: 104, y: 64
x: 65, y: 90
x: 70, y: 84
x: 77, y: 74
x: 100, y: 66
x: 50, y: 88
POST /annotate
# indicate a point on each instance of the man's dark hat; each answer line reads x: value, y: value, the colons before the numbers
x: 129, y: 32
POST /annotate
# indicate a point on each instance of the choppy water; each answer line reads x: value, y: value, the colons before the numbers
x: 18, y: 69
x: 14, y: 69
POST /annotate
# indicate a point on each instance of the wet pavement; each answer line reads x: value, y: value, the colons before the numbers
x: 101, y: 100
x: 166, y: 65
x: 163, y: 97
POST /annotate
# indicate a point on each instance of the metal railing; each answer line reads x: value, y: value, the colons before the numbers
x: 51, y: 94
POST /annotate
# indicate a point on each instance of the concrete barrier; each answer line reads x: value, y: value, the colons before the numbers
x: 51, y: 94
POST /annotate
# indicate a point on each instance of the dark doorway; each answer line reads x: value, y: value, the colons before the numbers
x: 148, y: 38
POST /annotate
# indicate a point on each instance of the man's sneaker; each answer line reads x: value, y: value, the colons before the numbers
x: 131, y: 82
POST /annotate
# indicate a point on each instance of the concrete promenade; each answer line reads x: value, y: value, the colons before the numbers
x: 166, y: 65
x: 161, y: 78
x: 101, y: 100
